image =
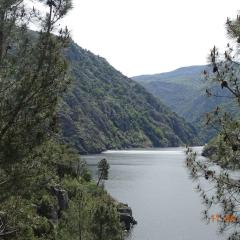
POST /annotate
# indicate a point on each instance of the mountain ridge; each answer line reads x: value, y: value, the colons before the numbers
x: 174, y: 71
x: 106, y: 110
x: 184, y: 92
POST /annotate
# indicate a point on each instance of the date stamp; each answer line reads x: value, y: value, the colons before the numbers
x: 228, y: 218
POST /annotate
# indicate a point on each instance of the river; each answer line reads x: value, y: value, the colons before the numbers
x: 156, y: 185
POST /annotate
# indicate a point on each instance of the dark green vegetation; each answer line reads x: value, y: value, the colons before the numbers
x: 179, y: 89
x: 46, y: 192
x: 184, y: 92
x: 106, y: 110
x: 224, y: 150
x: 103, y: 168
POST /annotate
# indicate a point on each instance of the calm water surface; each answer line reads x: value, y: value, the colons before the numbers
x: 155, y: 183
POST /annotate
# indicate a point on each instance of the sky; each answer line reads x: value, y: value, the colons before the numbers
x: 151, y: 36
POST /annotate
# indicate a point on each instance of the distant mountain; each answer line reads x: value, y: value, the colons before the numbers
x: 106, y: 110
x: 183, y: 91
x: 178, y: 89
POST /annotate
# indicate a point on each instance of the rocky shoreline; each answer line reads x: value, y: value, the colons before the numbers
x: 126, y: 217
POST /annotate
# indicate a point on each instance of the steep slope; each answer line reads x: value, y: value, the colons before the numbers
x: 106, y: 110
x: 178, y: 89
x: 183, y: 90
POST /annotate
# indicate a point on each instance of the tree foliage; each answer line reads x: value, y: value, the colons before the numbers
x: 224, y: 189
x: 44, y: 193
x: 103, y: 168
x: 33, y: 76
x: 92, y: 214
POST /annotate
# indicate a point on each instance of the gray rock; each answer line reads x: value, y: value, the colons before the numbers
x: 62, y: 197
x: 127, y: 210
x: 125, y: 214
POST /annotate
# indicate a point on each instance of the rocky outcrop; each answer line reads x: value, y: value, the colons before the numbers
x: 126, y: 218
x: 53, y: 211
x: 62, y: 197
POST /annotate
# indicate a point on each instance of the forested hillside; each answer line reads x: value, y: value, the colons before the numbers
x: 184, y: 92
x: 106, y: 110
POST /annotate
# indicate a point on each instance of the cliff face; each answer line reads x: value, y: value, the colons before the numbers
x: 106, y: 110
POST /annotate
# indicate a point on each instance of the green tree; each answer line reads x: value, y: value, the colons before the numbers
x: 105, y: 223
x: 75, y: 222
x: 33, y: 75
x: 103, y: 168
x: 224, y: 187
x: 33, y: 164
x: 92, y: 213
